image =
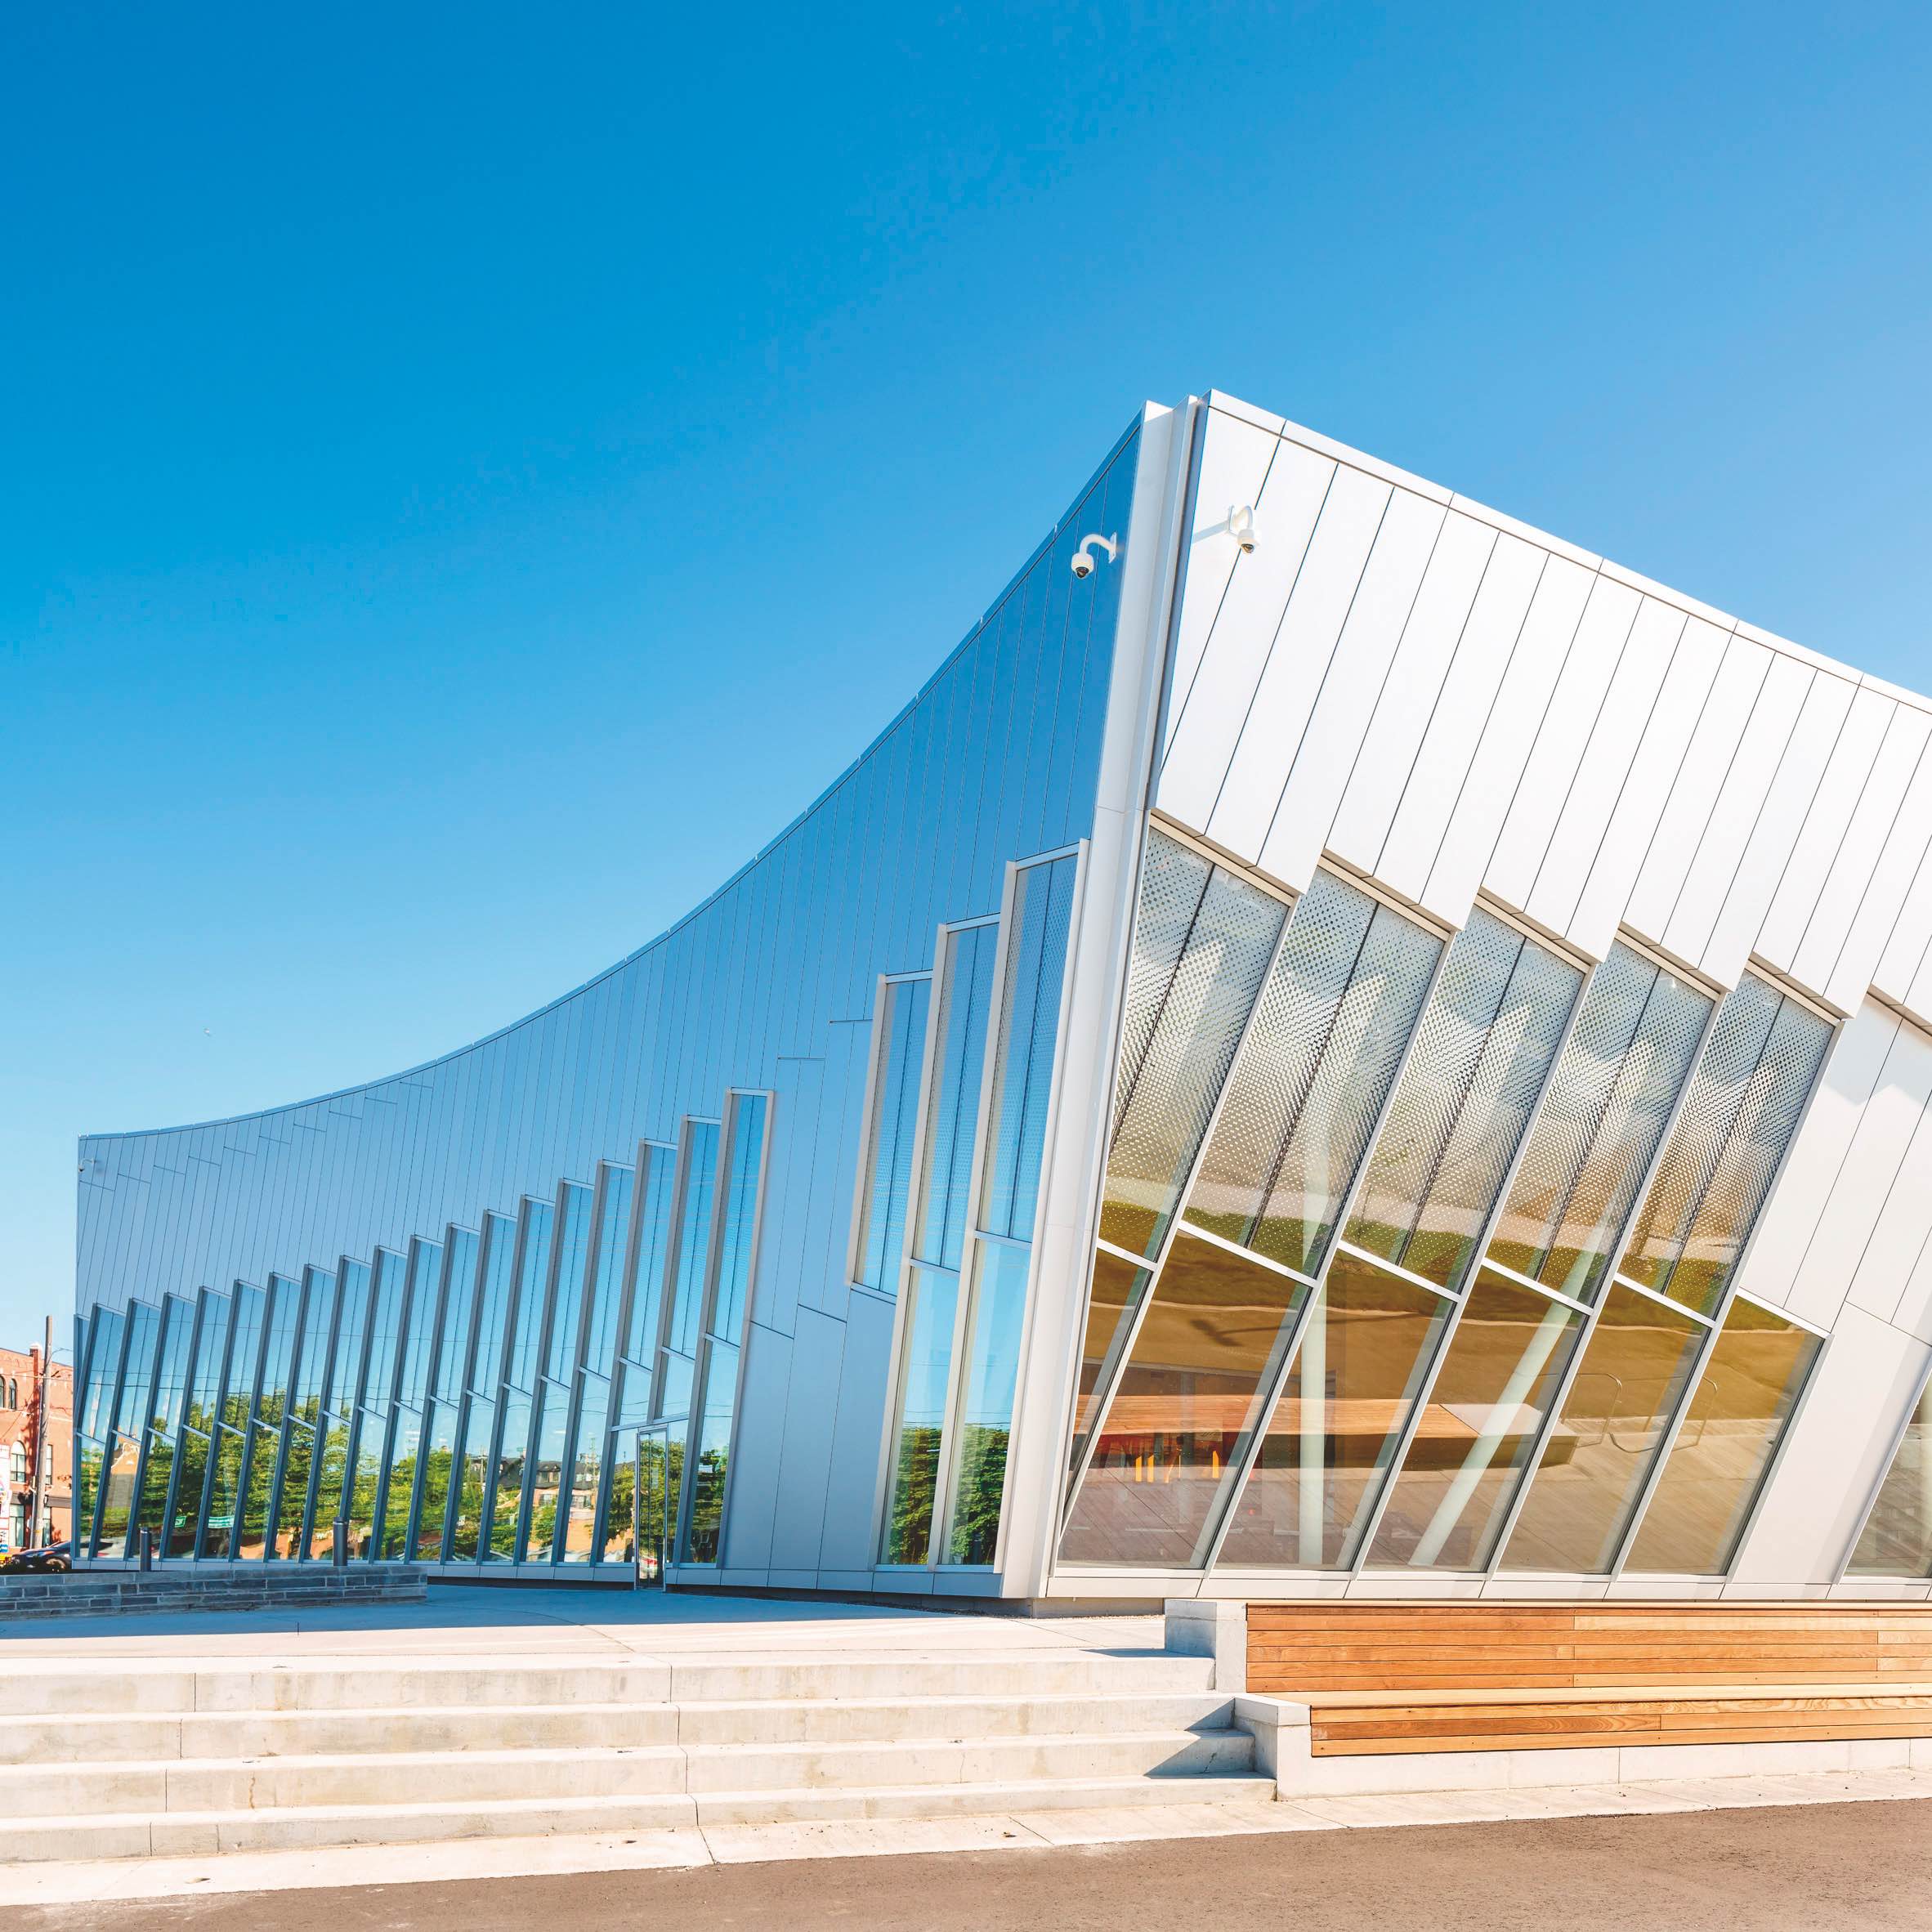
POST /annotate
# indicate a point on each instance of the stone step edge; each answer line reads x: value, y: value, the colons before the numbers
x: 1002, y: 1795
x: 588, y: 1753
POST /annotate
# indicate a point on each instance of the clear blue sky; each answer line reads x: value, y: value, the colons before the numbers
x: 472, y: 473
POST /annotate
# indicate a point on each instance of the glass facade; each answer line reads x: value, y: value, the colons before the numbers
x: 1897, y: 1537
x: 1361, y: 1314
x: 887, y: 1172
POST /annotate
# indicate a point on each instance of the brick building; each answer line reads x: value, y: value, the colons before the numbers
x: 22, y: 1431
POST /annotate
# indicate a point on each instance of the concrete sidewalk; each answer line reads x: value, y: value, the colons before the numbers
x: 1719, y: 1870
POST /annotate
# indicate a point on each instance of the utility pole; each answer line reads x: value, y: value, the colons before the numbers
x: 37, y: 1537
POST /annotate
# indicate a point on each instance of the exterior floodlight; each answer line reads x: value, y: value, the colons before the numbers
x: 1083, y: 557
x: 1240, y: 526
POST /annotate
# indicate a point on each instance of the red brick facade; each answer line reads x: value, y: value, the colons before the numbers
x: 22, y: 1434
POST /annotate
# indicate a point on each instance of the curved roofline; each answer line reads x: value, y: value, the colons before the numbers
x: 711, y: 898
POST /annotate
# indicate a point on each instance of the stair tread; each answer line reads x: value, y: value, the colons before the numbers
x: 581, y: 1753
x: 1219, y: 1781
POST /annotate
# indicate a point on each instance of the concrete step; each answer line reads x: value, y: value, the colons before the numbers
x: 108, y: 1738
x: 160, y: 1686
x: 403, y: 1777
x: 190, y: 1834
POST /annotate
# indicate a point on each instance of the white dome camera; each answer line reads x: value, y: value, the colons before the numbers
x: 1084, y: 559
x: 1240, y: 526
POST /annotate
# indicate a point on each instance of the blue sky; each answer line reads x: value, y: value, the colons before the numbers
x: 473, y: 473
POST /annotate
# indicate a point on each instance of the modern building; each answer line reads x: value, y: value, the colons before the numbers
x: 1339, y: 1045
x: 36, y: 1435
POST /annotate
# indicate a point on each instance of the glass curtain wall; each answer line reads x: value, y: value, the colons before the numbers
x: 1260, y: 1327
x: 589, y: 1364
x: 1595, y: 1135
x: 289, y: 1515
x: 341, y: 1392
x: 503, y: 1504
x: 98, y: 1346
x: 1659, y: 1321
x: 956, y: 1060
x: 639, y: 1317
x: 198, y: 1424
x: 496, y: 1273
x: 396, y: 1492
x: 887, y: 1169
x: 727, y: 1309
x: 1329, y: 1012
x: 543, y: 1475
x: 442, y: 1420
x: 226, y: 1453
x: 1897, y: 1537
x: 163, y: 1423
x: 966, y: 1279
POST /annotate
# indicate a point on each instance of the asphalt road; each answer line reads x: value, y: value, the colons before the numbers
x: 1867, y: 1866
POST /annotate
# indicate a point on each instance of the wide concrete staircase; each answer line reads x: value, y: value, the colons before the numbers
x: 160, y: 1757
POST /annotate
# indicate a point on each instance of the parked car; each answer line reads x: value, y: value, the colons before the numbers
x: 55, y: 1556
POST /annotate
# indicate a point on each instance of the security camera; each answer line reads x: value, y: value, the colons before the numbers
x: 1240, y: 526
x: 1083, y: 557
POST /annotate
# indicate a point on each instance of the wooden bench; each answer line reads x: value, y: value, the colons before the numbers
x: 1385, y: 1678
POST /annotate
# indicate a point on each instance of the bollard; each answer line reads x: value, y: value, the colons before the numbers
x: 338, y: 1554
x: 147, y: 1550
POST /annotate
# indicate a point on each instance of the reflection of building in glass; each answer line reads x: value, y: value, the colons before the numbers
x: 1392, y: 1058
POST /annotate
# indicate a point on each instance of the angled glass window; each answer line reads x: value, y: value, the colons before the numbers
x: 924, y: 1375
x: 1897, y: 1538
x: 1186, y: 1404
x: 351, y: 1334
x: 586, y: 1465
x: 1598, y: 1128
x: 312, y: 1354
x: 1333, y: 1021
x: 205, y: 1392
x: 1485, y: 1044
x: 606, y: 1280
x: 1202, y: 940
x: 952, y: 1115
x: 162, y: 1421
x: 550, y: 1403
x: 1613, y: 1422
x: 1485, y: 1416
x: 385, y: 1332
x: 730, y: 1300
x: 650, y: 1254
x: 978, y: 1479
x: 1113, y: 1299
x: 501, y: 1543
x: 900, y: 1051
x: 442, y: 1420
x: 1743, y: 1106
x: 291, y: 1499
x: 230, y: 1443
x: 678, y: 1360
x: 1023, y: 1053
x: 1363, y: 1351
x: 573, y: 1256
x: 498, y: 1273
x: 285, y: 1314
x: 473, y: 1480
x: 1738, y: 1415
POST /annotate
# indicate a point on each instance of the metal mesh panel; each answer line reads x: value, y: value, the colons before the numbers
x: 1466, y: 1094
x: 1329, y: 1034
x: 1598, y: 1126
x: 1201, y: 1014
x: 1743, y: 1106
x: 1172, y: 882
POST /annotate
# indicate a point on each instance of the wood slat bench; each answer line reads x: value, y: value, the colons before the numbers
x: 1380, y: 1679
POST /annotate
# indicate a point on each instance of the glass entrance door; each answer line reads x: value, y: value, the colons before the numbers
x: 660, y: 1470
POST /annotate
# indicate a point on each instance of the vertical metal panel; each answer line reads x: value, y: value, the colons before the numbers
x: 1285, y: 597
x: 1461, y: 791
x: 1567, y: 722
x: 1606, y: 762
x: 1311, y: 744
x: 1661, y: 755
x: 1906, y: 842
x: 1767, y: 790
